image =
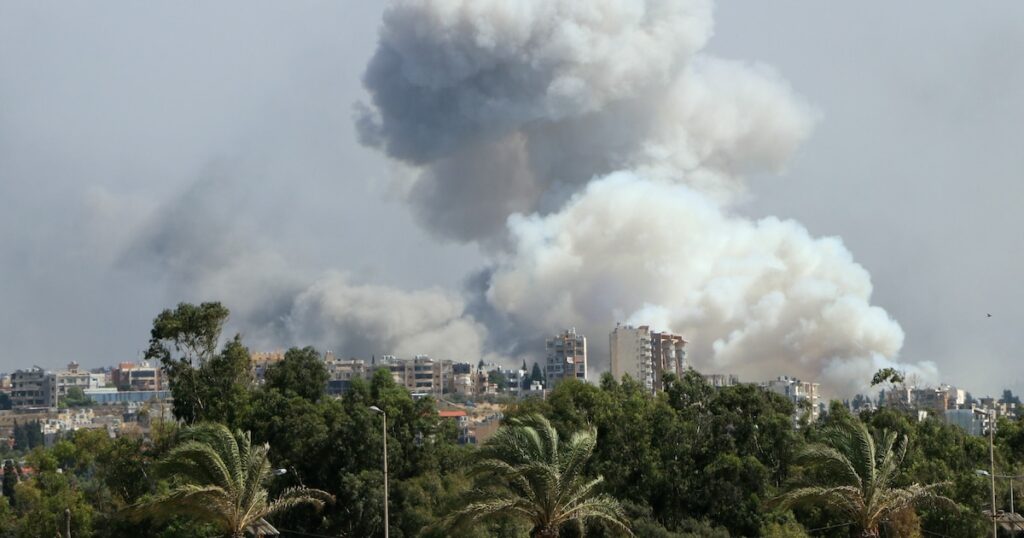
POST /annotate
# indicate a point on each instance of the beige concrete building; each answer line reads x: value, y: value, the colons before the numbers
x: 566, y: 358
x: 631, y: 354
x: 668, y: 356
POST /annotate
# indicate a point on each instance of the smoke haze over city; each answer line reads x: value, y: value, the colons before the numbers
x: 464, y: 178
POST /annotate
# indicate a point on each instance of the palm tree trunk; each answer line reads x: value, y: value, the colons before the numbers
x: 545, y: 532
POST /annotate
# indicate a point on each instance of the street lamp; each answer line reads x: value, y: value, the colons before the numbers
x: 1010, y: 477
x: 376, y: 409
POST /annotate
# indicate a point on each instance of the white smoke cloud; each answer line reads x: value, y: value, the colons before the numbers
x: 754, y: 298
x: 509, y: 111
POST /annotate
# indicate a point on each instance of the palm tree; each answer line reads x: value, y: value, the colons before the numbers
x: 219, y: 477
x: 532, y: 476
x: 856, y: 477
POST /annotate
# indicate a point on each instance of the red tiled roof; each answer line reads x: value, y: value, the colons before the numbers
x: 451, y: 414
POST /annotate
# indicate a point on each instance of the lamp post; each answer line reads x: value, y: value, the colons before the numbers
x: 376, y: 409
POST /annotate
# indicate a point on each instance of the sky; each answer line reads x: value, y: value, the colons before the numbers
x: 164, y: 153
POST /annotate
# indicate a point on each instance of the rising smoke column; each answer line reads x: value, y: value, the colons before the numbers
x: 595, y: 151
x: 506, y: 107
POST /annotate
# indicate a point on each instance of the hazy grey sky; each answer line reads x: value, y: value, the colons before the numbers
x: 156, y: 153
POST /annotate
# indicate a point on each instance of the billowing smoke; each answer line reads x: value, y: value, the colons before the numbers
x: 594, y: 151
x: 208, y: 253
x: 508, y: 107
x: 754, y: 298
x: 366, y: 319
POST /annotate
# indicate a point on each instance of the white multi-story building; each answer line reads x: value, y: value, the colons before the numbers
x: 631, y: 354
x: 566, y: 357
x: 797, y: 391
x: 721, y: 380
x: 76, y: 377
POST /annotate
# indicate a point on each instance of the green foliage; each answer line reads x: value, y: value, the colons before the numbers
x: 498, y: 378
x: 301, y: 374
x: 528, y: 472
x: 857, y: 477
x: 536, y: 375
x: 76, y: 398
x: 692, y: 461
x: 219, y: 477
x: 890, y: 375
x: 28, y: 436
x: 183, y: 340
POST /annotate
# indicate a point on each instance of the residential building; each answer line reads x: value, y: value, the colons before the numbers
x: 422, y: 376
x: 631, y: 354
x: 76, y: 377
x: 140, y: 376
x: 955, y: 398
x: 721, y: 380
x: 464, y: 386
x: 973, y: 421
x: 668, y: 356
x: 518, y: 381
x: 262, y: 360
x: 340, y: 373
x: 935, y: 401
x: 33, y: 388
x: 566, y: 357
x: 802, y: 393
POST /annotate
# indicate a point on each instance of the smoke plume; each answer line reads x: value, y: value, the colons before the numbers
x: 595, y: 152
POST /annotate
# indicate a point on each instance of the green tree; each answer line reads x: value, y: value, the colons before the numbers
x: 10, y: 479
x: 497, y: 378
x: 528, y: 472
x: 536, y: 375
x: 890, y: 375
x: 183, y: 340
x: 76, y: 398
x: 856, y: 477
x: 301, y: 373
x: 220, y: 477
x: 225, y: 382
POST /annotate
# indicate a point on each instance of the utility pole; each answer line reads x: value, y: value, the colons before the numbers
x: 67, y: 523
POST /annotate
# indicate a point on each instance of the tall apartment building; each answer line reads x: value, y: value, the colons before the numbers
x: 566, y: 357
x: 631, y: 354
x: 34, y: 388
x: 668, y: 356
